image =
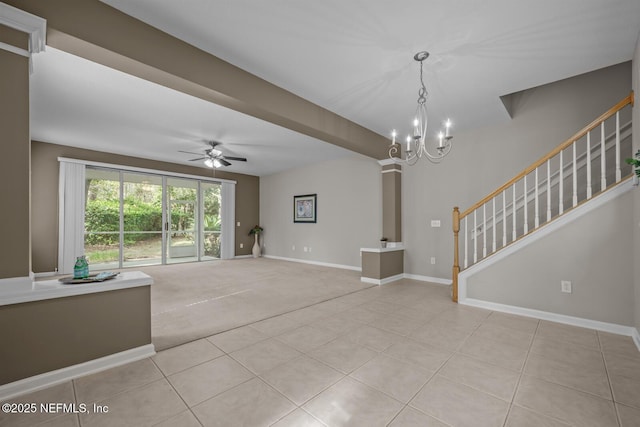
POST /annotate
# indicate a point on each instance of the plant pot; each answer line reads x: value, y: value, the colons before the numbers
x: 256, y: 248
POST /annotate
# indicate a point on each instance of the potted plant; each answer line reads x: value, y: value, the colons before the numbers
x: 383, y: 242
x: 255, y: 231
x: 635, y: 162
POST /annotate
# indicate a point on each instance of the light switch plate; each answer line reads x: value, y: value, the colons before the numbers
x: 435, y: 223
x: 565, y: 286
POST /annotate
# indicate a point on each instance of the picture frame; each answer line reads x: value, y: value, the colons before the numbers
x: 305, y: 208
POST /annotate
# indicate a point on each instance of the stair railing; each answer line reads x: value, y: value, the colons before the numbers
x: 561, y: 180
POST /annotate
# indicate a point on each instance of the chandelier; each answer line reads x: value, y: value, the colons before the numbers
x: 417, y: 145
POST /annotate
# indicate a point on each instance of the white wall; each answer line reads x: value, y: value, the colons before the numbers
x: 483, y: 159
x: 349, y: 211
x: 593, y: 252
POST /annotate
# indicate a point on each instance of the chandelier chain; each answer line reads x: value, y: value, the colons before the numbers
x: 422, y: 92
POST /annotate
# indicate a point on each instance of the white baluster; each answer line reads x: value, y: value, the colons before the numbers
x: 537, y: 204
x: 618, y: 171
x: 575, y: 176
x: 466, y: 236
x: 475, y: 237
x: 494, y: 225
x: 524, y: 207
x: 561, y: 186
x: 589, y: 190
x: 504, y: 218
x: 603, y: 160
x: 548, y: 190
x: 513, y: 220
x: 484, y: 230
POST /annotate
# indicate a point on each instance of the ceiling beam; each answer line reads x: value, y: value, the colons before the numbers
x: 100, y: 33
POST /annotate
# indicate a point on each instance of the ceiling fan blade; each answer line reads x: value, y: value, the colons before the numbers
x: 189, y: 152
x: 224, y: 162
x: 237, y: 159
x: 199, y: 158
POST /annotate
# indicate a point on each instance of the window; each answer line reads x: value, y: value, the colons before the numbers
x: 137, y: 218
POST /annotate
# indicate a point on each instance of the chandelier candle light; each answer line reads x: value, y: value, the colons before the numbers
x: 416, y: 147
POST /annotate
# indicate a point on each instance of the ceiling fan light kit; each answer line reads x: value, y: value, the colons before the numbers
x: 213, y: 158
x: 416, y: 143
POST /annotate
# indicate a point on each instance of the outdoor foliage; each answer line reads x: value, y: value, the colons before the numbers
x: 104, y: 215
x: 142, y: 211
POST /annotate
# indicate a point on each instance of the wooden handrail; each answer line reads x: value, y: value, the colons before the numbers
x: 624, y: 102
x: 456, y: 263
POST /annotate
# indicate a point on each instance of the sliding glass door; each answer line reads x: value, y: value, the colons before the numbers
x: 182, y: 220
x: 141, y: 219
x: 102, y: 217
x: 134, y: 219
x: 211, y: 201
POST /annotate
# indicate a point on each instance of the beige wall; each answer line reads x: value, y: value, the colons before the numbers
x: 593, y: 252
x: 349, y: 211
x: 382, y: 265
x: 636, y: 194
x: 392, y: 203
x: 45, y: 196
x: 46, y: 335
x: 15, y: 251
x: 485, y: 158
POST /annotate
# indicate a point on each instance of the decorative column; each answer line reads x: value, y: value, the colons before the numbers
x: 20, y: 35
x: 384, y: 265
x: 391, y: 200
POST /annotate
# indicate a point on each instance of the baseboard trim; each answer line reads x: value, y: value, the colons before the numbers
x: 429, y: 279
x: 382, y: 281
x: 322, y: 264
x: 48, y: 379
x: 613, y: 328
x: 242, y: 256
x: 636, y: 338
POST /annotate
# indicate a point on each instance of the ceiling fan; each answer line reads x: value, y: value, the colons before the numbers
x: 213, y: 157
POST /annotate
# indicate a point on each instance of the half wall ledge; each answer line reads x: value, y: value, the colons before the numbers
x: 382, y: 265
x: 55, y: 332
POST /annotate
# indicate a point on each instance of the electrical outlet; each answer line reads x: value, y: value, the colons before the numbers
x: 435, y: 223
x: 241, y: 245
x: 238, y: 223
x: 305, y: 249
x: 309, y: 248
x: 433, y: 260
x: 293, y: 247
x: 565, y: 286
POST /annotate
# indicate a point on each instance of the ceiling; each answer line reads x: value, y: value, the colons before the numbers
x: 353, y: 57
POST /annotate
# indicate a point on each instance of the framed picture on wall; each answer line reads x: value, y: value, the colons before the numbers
x: 305, y: 208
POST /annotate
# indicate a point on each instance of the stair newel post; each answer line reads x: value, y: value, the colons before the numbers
x: 456, y: 264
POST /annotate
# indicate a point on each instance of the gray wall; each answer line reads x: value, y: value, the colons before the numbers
x: 484, y: 159
x: 349, y: 211
x: 593, y: 252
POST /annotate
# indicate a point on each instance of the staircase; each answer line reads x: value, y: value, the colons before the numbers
x: 579, y: 170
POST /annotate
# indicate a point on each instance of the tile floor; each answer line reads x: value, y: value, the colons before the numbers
x: 397, y: 355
